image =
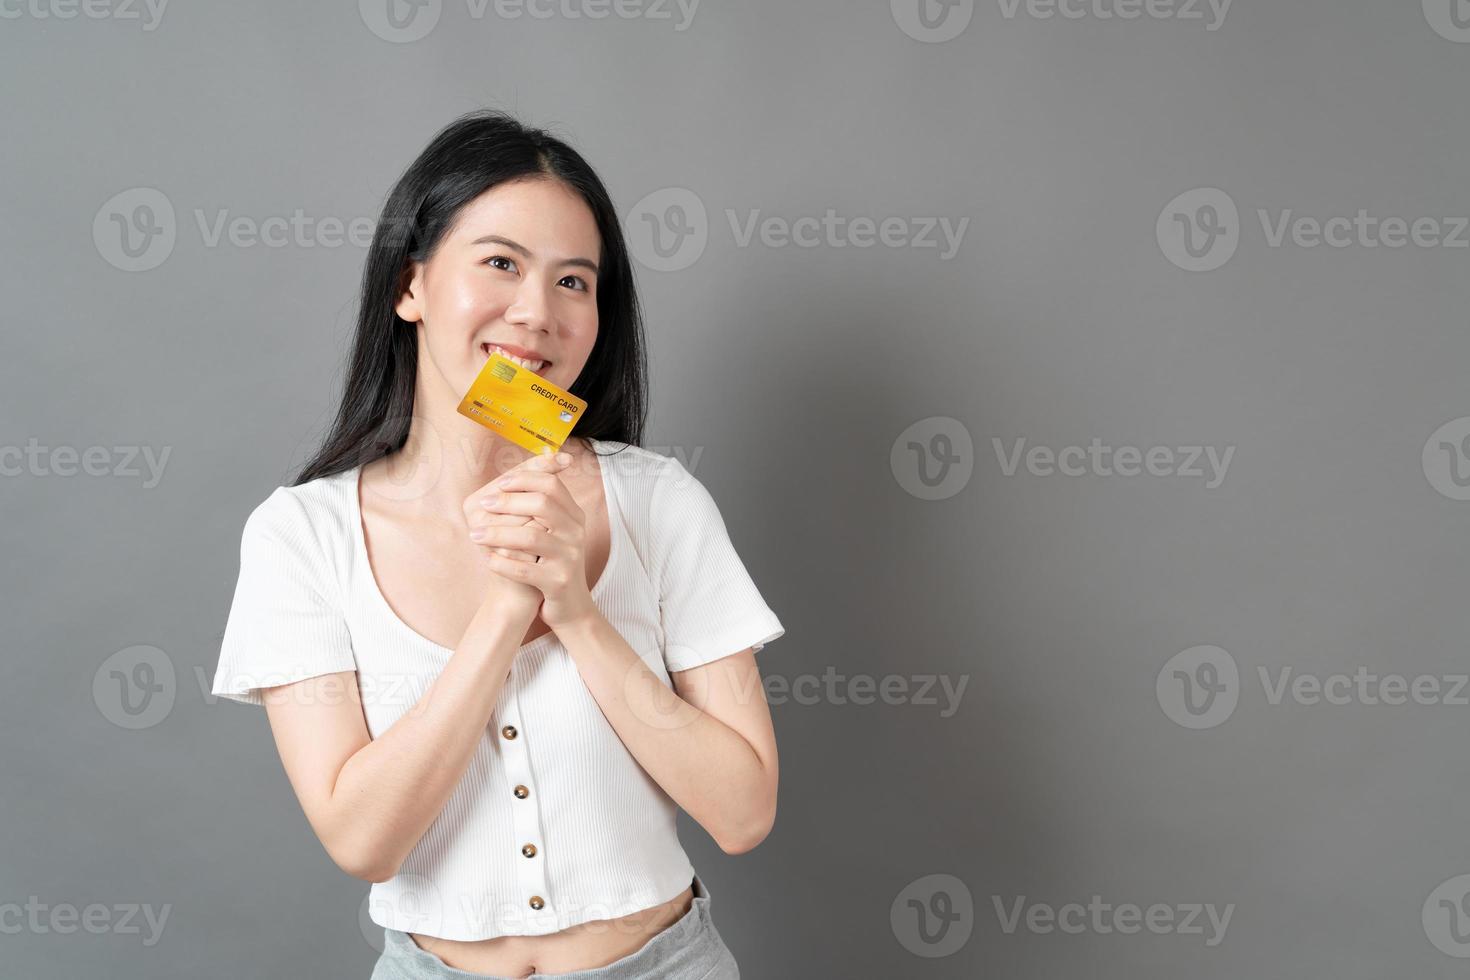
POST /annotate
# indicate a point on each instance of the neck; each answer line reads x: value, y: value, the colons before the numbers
x: 447, y: 457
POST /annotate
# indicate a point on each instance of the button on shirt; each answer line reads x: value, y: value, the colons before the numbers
x: 554, y: 822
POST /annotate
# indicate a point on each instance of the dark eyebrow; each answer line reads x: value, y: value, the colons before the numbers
x: 517, y: 247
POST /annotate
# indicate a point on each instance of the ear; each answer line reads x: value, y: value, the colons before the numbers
x: 410, y: 304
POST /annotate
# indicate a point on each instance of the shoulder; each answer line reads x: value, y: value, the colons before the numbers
x: 311, y: 518
x: 672, y: 515
x: 650, y: 485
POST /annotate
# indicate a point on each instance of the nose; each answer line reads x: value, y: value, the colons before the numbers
x: 531, y: 307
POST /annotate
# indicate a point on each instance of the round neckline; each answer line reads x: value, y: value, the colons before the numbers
x: 359, y: 535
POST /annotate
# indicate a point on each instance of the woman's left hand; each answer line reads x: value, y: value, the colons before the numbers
x: 558, y: 537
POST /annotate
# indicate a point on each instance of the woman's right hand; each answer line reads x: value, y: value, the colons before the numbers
x: 476, y: 516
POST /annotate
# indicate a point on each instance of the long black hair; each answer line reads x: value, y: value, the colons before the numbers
x: 468, y: 157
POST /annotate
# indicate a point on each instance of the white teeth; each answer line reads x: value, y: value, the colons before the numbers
x: 529, y: 365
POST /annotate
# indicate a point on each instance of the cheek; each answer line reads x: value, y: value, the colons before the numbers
x: 473, y: 304
x: 584, y: 332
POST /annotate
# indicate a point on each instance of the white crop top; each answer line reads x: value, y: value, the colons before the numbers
x: 549, y: 770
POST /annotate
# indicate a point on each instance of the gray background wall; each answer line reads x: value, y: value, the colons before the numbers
x: 1123, y: 735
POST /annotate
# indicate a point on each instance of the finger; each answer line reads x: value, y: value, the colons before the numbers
x: 545, y: 463
x: 531, y: 540
x: 548, y: 508
x: 529, y: 572
x: 550, y: 484
x: 480, y: 517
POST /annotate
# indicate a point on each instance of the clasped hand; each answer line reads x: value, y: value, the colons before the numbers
x: 534, y: 533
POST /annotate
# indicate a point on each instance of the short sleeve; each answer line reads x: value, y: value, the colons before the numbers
x: 708, y: 605
x: 285, y: 623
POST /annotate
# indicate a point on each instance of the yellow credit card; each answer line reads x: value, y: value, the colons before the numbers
x: 522, y: 406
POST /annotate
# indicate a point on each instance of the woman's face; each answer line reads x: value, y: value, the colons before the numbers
x: 518, y: 268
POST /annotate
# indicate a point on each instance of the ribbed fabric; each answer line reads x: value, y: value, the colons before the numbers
x: 306, y: 604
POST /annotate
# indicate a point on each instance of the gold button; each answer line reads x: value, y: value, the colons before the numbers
x: 529, y: 850
x: 509, y: 731
x: 536, y: 902
x: 521, y: 792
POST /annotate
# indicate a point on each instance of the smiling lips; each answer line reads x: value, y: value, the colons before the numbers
x: 517, y: 355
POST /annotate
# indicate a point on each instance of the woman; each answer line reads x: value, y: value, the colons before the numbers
x: 493, y: 677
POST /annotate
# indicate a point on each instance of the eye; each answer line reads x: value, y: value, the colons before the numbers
x: 577, y: 282
x: 500, y: 258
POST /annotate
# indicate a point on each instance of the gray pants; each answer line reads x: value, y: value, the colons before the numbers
x: 690, y: 949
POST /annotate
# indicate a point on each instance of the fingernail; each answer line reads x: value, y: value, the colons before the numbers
x: 478, y: 534
x: 564, y: 458
x: 491, y: 500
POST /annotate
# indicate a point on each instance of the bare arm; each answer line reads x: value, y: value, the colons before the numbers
x: 369, y: 800
x: 711, y: 745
